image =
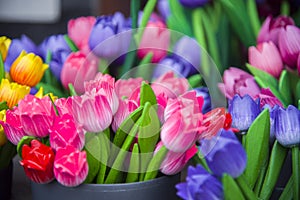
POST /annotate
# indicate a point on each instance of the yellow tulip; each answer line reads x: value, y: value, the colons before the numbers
x: 4, y: 45
x: 28, y: 69
x: 12, y: 92
x: 3, y: 139
x: 40, y: 94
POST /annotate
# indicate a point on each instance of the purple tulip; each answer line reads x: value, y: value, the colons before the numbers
x: 193, y: 3
x: 266, y: 57
x: 224, y: 154
x: 200, y: 185
x: 289, y: 45
x: 272, y: 111
x: 268, y: 98
x: 271, y: 28
x: 243, y: 111
x: 203, y: 91
x: 16, y: 46
x: 164, y: 9
x: 189, y: 49
x: 237, y: 81
x: 59, y: 49
x: 107, y: 27
x: 287, y: 126
x: 174, y: 63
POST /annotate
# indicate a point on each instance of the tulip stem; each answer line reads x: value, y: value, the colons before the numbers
x: 296, y: 175
x: 2, y: 70
x: 134, y: 10
x: 199, y: 159
x: 144, y: 67
x: 248, y: 193
x: 288, y: 190
x: 285, y: 8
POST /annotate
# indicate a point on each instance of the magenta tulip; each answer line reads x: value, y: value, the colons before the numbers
x: 66, y: 132
x: 267, y: 58
x: 289, y: 45
x: 79, y: 31
x: 92, y: 111
x: 267, y: 97
x: 237, y: 81
x: 271, y: 28
x: 171, y: 85
x: 63, y: 105
x: 156, y: 39
x: 70, y: 166
x: 78, y: 68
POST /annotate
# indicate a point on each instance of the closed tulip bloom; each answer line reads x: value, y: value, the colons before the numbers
x: 214, y: 120
x: 126, y: 87
x: 271, y: 28
x: 35, y: 115
x: 289, y: 45
x: 64, y: 106
x: 70, y: 166
x: 37, y: 161
x: 193, y: 3
x: 4, y: 46
x: 66, y: 132
x: 155, y: 39
x: 79, y: 31
x: 171, y: 85
x: 76, y: 69
x: 174, y: 162
x: 199, y: 184
x: 92, y: 111
x: 243, y: 110
x: 267, y: 97
x: 287, y: 126
x: 28, y: 69
x: 3, y: 138
x: 267, y: 58
x: 12, y: 93
x: 16, y: 47
x: 107, y: 27
x: 224, y: 154
x: 237, y: 81
x: 59, y: 49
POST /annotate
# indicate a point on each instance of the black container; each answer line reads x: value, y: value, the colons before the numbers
x: 159, y: 188
x: 6, y: 182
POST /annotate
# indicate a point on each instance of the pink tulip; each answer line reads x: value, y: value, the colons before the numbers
x: 125, y: 88
x: 79, y: 31
x: 271, y: 28
x: 70, y: 166
x: 267, y: 58
x: 174, y: 162
x: 171, y: 85
x: 213, y: 121
x: 92, y: 111
x: 183, y: 120
x: 237, y: 81
x: 66, y: 132
x: 63, y: 105
x: 12, y: 127
x: 104, y: 85
x: 155, y: 39
x: 125, y: 108
x: 78, y: 68
x: 267, y: 97
x: 289, y: 45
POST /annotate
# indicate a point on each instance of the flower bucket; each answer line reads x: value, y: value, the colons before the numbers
x: 6, y: 182
x: 159, y: 188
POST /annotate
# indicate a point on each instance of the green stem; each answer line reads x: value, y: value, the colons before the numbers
x: 254, y: 19
x: 143, y: 68
x: 72, y: 90
x: 260, y: 181
x: 296, y: 175
x: 2, y: 70
x: 285, y: 8
x: 70, y: 43
x: 248, y: 193
x: 199, y: 159
x: 287, y: 193
x: 134, y: 11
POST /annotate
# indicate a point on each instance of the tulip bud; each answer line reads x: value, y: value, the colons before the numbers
x: 28, y: 69
x: 37, y: 161
x: 4, y: 45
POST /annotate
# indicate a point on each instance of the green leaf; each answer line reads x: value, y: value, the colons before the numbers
x: 248, y: 192
x: 105, y: 154
x: 277, y: 158
x: 287, y: 193
x: 72, y: 90
x: 268, y: 79
x: 2, y: 69
x: 25, y: 140
x: 3, y: 105
x: 147, y: 95
x: 257, y: 147
x: 297, y: 94
x: 284, y: 87
x: 134, y: 166
x: 231, y: 189
x: 94, y: 166
x: 51, y: 89
x: 195, y: 81
x: 148, y: 134
x: 7, y: 153
x: 70, y: 43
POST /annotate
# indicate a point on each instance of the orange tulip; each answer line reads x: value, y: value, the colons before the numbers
x: 28, y: 69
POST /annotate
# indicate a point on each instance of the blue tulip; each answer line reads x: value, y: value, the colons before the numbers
x: 224, y: 154
x: 243, y: 111
x: 200, y: 185
x: 193, y: 3
x: 287, y: 126
x: 203, y: 91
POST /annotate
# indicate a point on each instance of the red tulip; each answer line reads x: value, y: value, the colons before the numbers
x: 37, y: 161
